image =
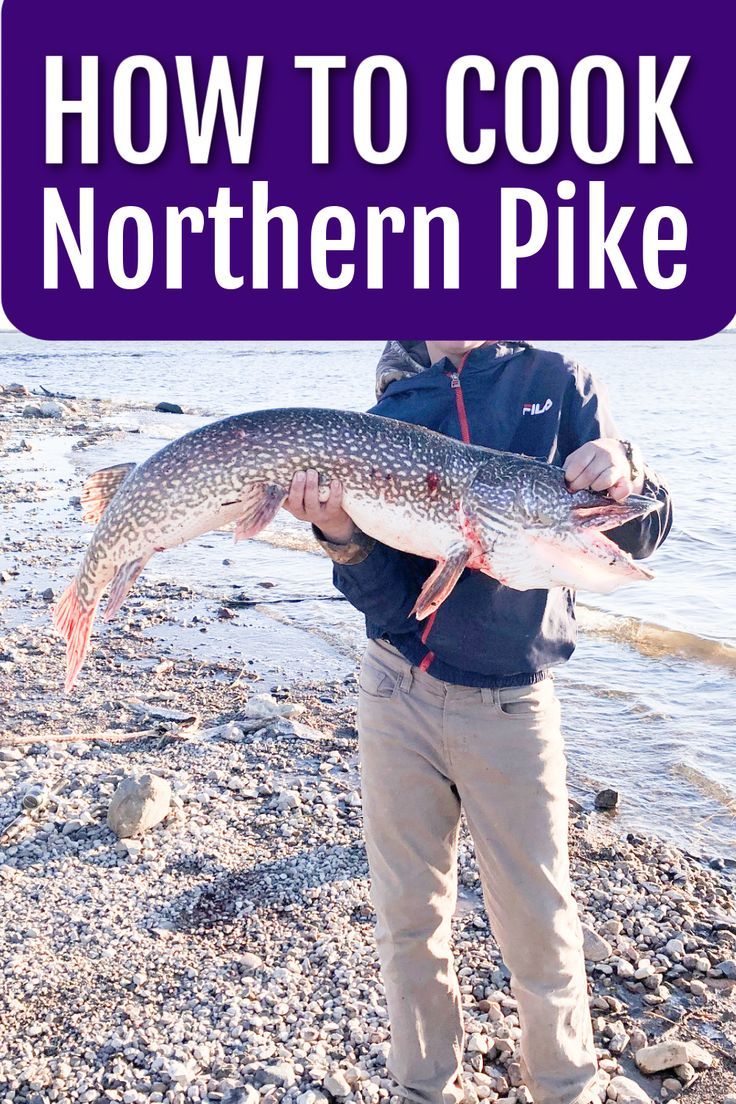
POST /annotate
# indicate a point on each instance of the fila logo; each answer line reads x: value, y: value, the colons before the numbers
x: 536, y: 408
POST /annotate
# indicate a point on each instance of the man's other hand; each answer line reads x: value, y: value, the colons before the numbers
x: 602, y: 465
x: 303, y: 501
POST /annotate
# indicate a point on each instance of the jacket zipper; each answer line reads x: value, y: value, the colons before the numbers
x: 462, y: 418
x: 460, y: 404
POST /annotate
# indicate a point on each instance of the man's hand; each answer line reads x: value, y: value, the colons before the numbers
x: 303, y: 502
x: 602, y: 465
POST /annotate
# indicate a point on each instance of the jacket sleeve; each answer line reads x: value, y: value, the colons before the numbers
x: 379, y: 581
x: 588, y: 417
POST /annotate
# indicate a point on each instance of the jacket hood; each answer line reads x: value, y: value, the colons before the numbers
x: 404, y: 359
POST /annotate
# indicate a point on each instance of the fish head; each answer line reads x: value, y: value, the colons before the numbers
x: 535, y: 533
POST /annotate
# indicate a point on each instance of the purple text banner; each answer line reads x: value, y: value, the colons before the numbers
x: 239, y: 171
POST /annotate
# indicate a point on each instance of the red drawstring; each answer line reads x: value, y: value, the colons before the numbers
x: 465, y: 433
x: 427, y: 630
x: 460, y: 401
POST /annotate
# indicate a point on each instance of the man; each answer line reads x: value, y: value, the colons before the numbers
x: 460, y: 710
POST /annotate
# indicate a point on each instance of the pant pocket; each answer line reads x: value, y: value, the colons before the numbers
x: 376, y: 681
x: 523, y: 701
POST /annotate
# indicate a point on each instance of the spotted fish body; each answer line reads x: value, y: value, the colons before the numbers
x: 409, y: 487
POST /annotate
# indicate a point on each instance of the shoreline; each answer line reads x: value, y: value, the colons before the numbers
x: 244, y: 916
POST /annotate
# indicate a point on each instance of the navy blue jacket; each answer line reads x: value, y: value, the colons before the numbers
x: 519, y: 399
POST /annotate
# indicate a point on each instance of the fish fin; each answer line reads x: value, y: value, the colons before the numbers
x: 73, y: 620
x: 440, y: 583
x: 262, y: 501
x: 608, y: 514
x: 100, y: 489
x: 124, y: 578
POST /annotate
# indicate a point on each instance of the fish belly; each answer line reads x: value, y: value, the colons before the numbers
x: 184, y: 526
x: 401, y: 526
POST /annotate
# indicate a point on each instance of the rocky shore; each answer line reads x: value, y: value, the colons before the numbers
x: 184, y: 903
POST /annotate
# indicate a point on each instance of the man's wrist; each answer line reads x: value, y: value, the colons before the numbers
x: 353, y: 551
x: 333, y: 538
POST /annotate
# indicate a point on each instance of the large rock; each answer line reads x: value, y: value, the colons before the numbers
x: 168, y: 408
x: 625, y: 1091
x: 595, y: 947
x: 52, y: 409
x: 138, y: 803
x: 49, y: 408
x: 606, y: 799
x: 661, y: 1056
x: 698, y: 1057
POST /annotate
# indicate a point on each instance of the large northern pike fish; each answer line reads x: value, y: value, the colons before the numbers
x: 419, y: 491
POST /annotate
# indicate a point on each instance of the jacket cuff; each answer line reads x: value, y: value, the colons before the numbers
x: 354, y: 551
x: 652, y: 483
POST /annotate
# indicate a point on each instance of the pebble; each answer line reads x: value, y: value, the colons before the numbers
x: 478, y: 1044
x: 241, y: 1094
x: 685, y: 1073
x: 281, y: 1074
x: 595, y: 947
x: 337, y: 1084
x: 625, y: 1091
x: 638, y: 1039
x: 250, y: 961
x: 618, y: 1043
x: 697, y: 963
x: 288, y: 799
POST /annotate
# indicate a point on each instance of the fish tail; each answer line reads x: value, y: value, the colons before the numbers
x: 73, y: 620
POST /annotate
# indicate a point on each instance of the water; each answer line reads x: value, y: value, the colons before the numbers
x: 648, y: 697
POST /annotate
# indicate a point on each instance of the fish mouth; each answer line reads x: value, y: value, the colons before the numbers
x: 606, y: 513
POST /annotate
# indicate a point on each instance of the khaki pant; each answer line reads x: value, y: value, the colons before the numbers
x: 426, y: 747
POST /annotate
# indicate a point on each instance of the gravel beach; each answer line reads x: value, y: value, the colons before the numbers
x: 224, y: 951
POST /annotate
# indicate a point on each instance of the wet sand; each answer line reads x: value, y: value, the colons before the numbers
x: 231, y: 945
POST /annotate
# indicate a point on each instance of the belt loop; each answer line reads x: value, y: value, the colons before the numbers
x: 406, y: 680
x: 486, y: 695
